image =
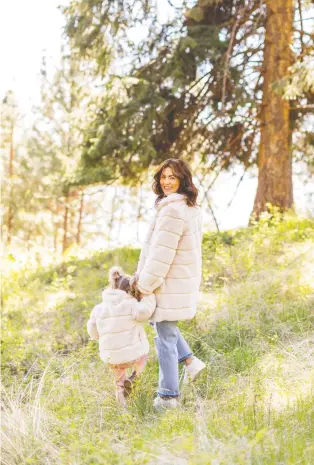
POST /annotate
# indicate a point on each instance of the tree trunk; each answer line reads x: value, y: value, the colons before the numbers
x: 111, y: 220
x: 139, y: 211
x: 65, y: 225
x: 274, y: 158
x: 121, y: 214
x: 11, y: 173
x: 28, y: 238
x: 79, y: 223
x: 55, y: 237
x: 55, y: 210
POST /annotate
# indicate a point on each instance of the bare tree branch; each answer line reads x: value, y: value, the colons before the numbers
x: 236, y: 190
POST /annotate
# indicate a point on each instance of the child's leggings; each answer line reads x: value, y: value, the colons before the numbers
x: 119, y: 372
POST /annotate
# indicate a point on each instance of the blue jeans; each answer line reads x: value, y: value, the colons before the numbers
x: 171, y: 348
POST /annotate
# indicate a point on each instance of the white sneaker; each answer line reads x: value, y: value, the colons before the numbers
x: 192, y: 371
x: 163, y: 404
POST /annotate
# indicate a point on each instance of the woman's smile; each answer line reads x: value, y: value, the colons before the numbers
x: 169, y: 182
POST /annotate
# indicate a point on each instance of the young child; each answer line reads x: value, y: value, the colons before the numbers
x: 117, y: 324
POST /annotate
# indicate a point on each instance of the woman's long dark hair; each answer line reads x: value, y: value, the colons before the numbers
x: 183, y: 172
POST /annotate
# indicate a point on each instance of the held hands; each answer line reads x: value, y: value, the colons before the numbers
x: 134, y: 290
x: 145, y: 308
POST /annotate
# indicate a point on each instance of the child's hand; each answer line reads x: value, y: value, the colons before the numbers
x: 134, y: 290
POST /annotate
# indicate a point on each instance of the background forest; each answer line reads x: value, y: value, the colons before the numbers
x: 229, y: 86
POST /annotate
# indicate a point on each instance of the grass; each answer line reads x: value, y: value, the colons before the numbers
x: 255, y: 329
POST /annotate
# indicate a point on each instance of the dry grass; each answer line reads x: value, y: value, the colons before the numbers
x: 253, y: 406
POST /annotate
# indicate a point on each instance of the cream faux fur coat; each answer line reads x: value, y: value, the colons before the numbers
x: 171, y: 259
x: 116, y: 322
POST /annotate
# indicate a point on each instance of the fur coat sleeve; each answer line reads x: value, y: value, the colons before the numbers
x: 91, y: 324
x: 144, y: 309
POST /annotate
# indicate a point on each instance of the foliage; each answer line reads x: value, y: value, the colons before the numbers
x: 232, y: 256
x: 298, y: 87
x: 25, y: 170
x: 60, y: 121
x: 191, y: 84
x: 38, y: 192
x: 300, y: 83
x: 58, y: 301
x: 90, y: 22
x: 163, y: 105
x: 255, y: 331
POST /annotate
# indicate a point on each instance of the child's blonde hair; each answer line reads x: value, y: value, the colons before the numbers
x: 119, y: 280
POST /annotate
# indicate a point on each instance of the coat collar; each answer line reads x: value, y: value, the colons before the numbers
x: 165, y: 201
x: 115, y: 295
x: 175, y: 197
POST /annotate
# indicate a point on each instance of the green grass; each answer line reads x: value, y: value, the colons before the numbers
x: 255, y: 329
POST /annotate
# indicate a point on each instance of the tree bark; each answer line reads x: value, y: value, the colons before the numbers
x: 139, y: 210
x: 79, y: 224
x: 274, y: 158
x: 55, y: 219
x: 121, y: 214
x: 111, y: 220
x: 55, y: 237
x: 11, y: 173
x: 65, y: 224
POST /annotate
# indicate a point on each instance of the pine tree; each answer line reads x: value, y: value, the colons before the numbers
x: 274, y: 158
x: 58, y: 134
x: 9, y: 120
x: 194, y: 85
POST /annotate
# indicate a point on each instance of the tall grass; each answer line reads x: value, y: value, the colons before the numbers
x: 255, y: 329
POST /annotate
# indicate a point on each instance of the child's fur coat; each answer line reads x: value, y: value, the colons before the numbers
x: 116, y: 322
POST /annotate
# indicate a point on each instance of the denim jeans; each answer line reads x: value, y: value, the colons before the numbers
x: 172, y: 349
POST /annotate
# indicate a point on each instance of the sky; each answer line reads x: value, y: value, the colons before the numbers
x: 30, y: 29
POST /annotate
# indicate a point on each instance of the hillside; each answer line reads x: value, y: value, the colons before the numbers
x: 254, y: 328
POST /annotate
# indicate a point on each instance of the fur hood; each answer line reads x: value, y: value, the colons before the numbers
x: 117, y: 323
x: 169, y: 199
x: 115, y: 295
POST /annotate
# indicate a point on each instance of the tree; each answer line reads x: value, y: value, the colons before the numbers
x: 275, y: 158
x: 298, y: 88
x: 24, y: 169
x: 58, y: 133
x: 168, y: 102
x: 194, y: 84
x: 9, y: 119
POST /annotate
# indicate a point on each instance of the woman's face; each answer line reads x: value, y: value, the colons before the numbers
x: 169, y: 182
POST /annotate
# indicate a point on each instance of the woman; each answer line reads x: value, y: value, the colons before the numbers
x: 170, y: 264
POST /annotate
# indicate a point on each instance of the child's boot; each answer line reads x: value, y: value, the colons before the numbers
x: 129, y: 384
